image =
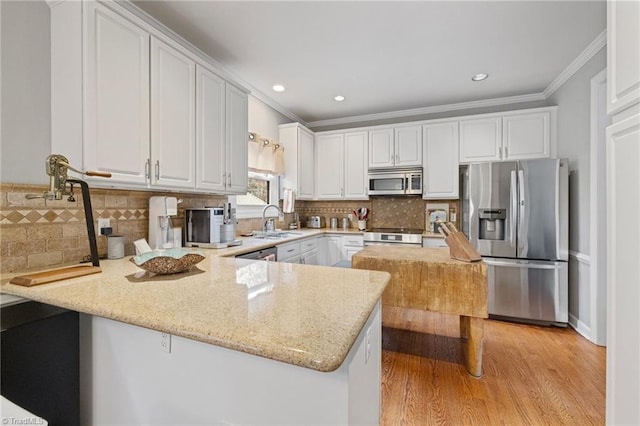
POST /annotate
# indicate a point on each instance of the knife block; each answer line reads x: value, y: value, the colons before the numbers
x: 459, y: 246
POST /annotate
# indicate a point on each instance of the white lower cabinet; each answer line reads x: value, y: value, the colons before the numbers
x: 303, y: 251
x: 329, y: 250
x: 289, y: 252
x: 351, y: 244
x: 309, y: 251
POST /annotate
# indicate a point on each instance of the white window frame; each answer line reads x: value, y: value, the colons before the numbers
x: 248, y: 211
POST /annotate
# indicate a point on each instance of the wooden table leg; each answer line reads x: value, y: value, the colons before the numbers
x: 464, y: 327
x: 475, y: 329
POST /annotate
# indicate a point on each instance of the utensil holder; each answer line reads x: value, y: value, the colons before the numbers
x: 362, y: 225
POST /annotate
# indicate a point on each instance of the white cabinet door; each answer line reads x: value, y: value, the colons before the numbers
x: 172, y: 117
x: 381, y: 148
x: 116, y: 96
x: 623, y: 272
x: 408, y: 146
x: 334, y: 249
x: 210, y: 130
x: 433, y: 242
x: 623, y: 55
x: 236, y: 130
x: 330, y: 167
x: 526, y: 136
x: 481, y: 140
x: 309, y: 258
x: 306, y: 170
x: 355, y: 166
x: 441, y: 175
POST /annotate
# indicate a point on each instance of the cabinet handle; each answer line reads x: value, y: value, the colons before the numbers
x: 158, y: 170
x: 224, y: 180
x: 506, y: 153
x: 229, y: 179
x: 397, y: 158
x: 500, y: 153
x: 147, y: 169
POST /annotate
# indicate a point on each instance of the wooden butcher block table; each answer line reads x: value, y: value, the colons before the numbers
x: 428, y: 279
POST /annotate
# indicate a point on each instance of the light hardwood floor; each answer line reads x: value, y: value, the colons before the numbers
x: 532, y: 375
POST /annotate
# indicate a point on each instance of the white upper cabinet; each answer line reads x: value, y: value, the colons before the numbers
x: 172, y: 117
x: 299, y: 155
x: 127, y: 96
x: 517, y: 135
x: 341, y: 166
x: 623, y: 55
x: 440, y: 161
x: 221, y: 134
x: 210, y: 131
x: 116, y: 98
x: 237, y: 137
x: 526, y: 136
x: 355, y: 166
x: 330, y: 166
x: 408, y: 146
x: 395, y: 147
x: 381, y: 149
x: 481, y: 139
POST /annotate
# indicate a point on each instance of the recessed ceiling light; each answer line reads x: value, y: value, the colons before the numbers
x: 479, y: 77
x: 278, y: 87
x: 338, y: 98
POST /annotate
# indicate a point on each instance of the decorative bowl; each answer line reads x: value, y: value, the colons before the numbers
x: 170, y: 261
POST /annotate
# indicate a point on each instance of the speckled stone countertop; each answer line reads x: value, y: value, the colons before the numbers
x: 299, y: 314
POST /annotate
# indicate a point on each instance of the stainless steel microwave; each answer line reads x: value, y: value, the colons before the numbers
x: 395, y: 182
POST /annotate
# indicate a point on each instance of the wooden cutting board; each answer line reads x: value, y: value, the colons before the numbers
x: 37, y: 278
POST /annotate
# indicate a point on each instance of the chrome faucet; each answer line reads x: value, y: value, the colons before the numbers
x: 264, y: 210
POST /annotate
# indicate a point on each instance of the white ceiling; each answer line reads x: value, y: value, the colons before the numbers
x: 386, y: 56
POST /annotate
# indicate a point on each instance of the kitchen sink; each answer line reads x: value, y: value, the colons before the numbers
x: 275, y: 235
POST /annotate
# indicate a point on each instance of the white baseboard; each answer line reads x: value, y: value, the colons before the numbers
x: 580, y: 327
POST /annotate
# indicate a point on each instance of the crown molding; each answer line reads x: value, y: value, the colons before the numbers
x: 430, y: 110
x: 594, y: 47
x: 53, y: 3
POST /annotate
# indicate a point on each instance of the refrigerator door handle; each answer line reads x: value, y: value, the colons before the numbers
x: 522, y: 217
x: 513, y: 219
x: 529, y: 265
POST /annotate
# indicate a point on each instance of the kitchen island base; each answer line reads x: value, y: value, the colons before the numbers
x: 428, y: 279
x: 127, y: 378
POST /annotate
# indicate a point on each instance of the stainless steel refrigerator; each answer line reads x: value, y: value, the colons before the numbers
x: 516, y: 215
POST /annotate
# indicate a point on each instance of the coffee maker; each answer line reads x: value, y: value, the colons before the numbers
x: 161, y: 231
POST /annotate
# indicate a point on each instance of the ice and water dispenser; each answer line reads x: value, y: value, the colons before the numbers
x: 492, y: 223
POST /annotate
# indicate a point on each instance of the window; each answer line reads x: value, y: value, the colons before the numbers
x: 262, y: 189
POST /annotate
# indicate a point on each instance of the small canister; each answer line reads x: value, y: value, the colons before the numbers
x: 345, y: 223
x: 115, y: 247
x: 334, y: 223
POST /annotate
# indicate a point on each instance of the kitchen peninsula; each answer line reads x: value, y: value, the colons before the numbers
x: 245, y: 342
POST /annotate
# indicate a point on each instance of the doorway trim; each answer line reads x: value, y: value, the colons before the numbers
x: 598, y: 202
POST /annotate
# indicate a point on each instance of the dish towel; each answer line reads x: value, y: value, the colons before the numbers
x: 288, y: 201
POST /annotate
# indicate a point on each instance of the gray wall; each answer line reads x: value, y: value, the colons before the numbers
x: 574, y: 133
x: 26, y: 91
x: 264, y: 120
x: 574, y: 137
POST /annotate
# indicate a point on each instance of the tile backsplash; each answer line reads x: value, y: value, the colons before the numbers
x: 39, y: 234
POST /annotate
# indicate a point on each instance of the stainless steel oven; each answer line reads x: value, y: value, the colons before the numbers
x: 395, y: 182
x: 395, y: 237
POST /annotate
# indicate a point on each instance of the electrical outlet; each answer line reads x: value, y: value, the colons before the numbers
x: 103, y: 223
x: 165, y: 342
x: 350, y: 216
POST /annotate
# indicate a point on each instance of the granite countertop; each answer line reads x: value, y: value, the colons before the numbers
x: 304, y: 315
